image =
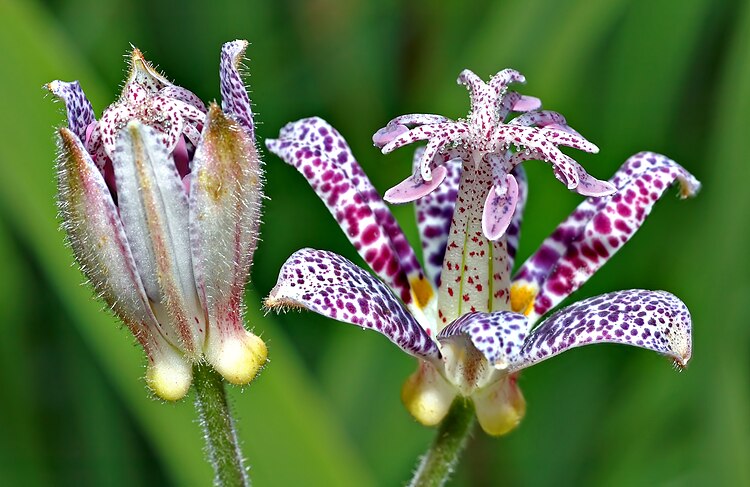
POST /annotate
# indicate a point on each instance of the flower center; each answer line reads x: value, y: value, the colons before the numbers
x: 465, y: 366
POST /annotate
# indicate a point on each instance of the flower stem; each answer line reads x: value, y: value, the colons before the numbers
x: 219, y: 432
x: 438, y: 463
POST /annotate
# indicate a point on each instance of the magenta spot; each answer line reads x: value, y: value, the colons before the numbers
x: 370, y: 234
x: 545, y: 257
x: 559, y: 287
x: 600, y: 248
x: 393, y: 267
x: 602, y: 224
x: 380, y: 262
x: 622, y: 226
x: 588, y: 252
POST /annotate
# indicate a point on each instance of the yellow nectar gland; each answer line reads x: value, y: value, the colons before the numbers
x: 522, y: 298
x: 421, y: 290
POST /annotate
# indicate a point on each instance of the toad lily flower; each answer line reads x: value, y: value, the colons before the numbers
x: 161, y: 200
x: 470, y: 325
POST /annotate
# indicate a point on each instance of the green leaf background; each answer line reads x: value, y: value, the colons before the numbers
x: 660, y: 75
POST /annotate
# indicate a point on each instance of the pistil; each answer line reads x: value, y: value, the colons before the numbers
x: 476, y: 271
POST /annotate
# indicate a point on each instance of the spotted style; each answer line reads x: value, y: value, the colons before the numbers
x: 485, y: 138
x: 234, y: 97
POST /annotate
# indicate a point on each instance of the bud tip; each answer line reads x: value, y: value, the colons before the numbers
x: 239, y: 359
x: 170, y: 380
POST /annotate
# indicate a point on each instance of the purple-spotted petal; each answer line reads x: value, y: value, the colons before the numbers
x: 319, y: 152
x: 654, y: 320
x: 513, y: 233
x: 317, y: 133
x: 499, y: 336
x: 98, y: 240
x: 113, y: 119
x: 499, y: 208
x: 234, y: 98
x: 329, y: 284
x: 225, y: 200
x: 154, y: 211
x: 79, y: 111
x: 598, y: 228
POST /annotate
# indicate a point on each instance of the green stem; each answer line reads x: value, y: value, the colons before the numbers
x: 218, y: 428
x: 438, y: 463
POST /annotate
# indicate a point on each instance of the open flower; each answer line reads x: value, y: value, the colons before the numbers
x: 470, y: 325
x: 161, y: 201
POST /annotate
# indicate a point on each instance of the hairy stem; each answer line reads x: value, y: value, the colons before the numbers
x: 219, y: 432
x: 437, y: 465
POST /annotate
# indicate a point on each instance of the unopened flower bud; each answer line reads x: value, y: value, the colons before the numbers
x: 161, y: 201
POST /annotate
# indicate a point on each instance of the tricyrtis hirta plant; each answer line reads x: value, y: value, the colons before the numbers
x: 471, y: 325
x: 161, y: 200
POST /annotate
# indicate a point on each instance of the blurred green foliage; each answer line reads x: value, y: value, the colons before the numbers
x: 660, y: 75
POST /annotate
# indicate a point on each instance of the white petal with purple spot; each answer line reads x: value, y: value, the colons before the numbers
x: 654, y: 320
x: 329, y: 284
